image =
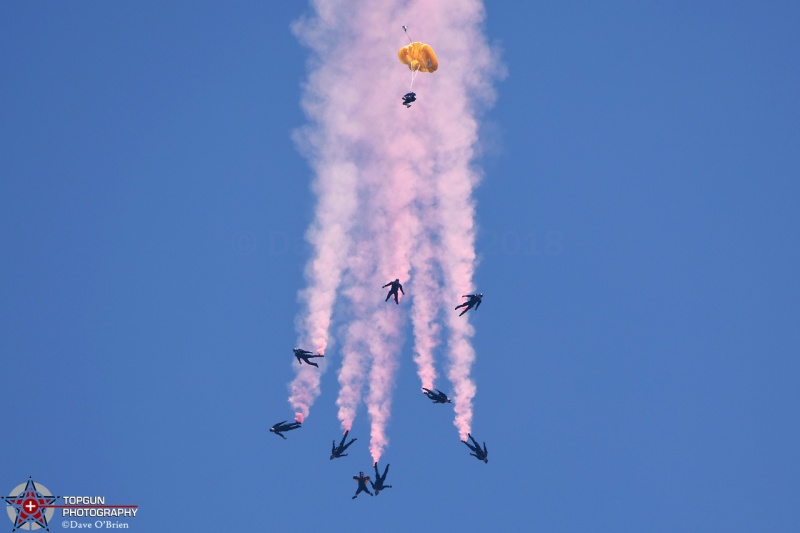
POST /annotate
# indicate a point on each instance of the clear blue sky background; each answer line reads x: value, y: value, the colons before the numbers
x: 637, y: 349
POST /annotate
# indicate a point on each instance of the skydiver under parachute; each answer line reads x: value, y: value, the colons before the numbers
x: 420, y: 58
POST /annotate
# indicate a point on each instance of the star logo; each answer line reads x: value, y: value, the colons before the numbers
x: 29, y: 506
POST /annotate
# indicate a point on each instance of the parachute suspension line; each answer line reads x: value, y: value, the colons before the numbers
x: 413, y: 75
x: 405, y: 29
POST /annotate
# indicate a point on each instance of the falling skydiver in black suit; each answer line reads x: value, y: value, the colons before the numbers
x: 474, y: 301
x: 362, y: 484
x: 378, y: 486
x: 394, y: 286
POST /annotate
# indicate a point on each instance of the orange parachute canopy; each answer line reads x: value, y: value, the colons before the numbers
x: 418, y: 57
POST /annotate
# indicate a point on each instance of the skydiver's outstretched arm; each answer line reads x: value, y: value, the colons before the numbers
x: 386, y: 285
x: 401, y: 289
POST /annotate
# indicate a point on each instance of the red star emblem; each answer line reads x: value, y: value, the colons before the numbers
x: 30, y: 505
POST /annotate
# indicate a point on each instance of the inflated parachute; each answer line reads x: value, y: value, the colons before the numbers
x: 419, y: 57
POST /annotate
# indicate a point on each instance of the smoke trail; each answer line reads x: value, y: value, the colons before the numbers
x: 427, y: 302
x: 352, y: 373
x: 397, y: 184
x: 355, y: 352
x: 325, y: 144
x: 470, y: 60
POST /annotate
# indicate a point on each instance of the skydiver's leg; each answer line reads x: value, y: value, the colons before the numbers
x: 357, y: 491
x: 396, y: 300
x: 462, y: 305
x: 313, y: 364
x: 388, y: 296
x: 368, y: 492
x: 387, y: 486
x: 464, y: 311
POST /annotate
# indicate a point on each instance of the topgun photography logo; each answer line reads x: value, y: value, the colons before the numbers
x: 32, y: 506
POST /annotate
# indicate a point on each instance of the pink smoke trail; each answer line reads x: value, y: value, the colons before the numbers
x: 470, y: 61
x: 330, y: 237
x: 427, y: 303
x: 355, y: 353
x: 325, y: 143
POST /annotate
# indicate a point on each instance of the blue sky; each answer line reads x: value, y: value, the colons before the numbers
x: 637, y: 349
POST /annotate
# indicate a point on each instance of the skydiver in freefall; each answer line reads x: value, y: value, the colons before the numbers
x: 394, y: 287
x: 474, y: 301
x: 338, y: 451
x: 362, y: 484
x: 305, y: 355
x: 437, y: 397
x: 283, y: 426
x: 481, y: 454
x: 378, y: 486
